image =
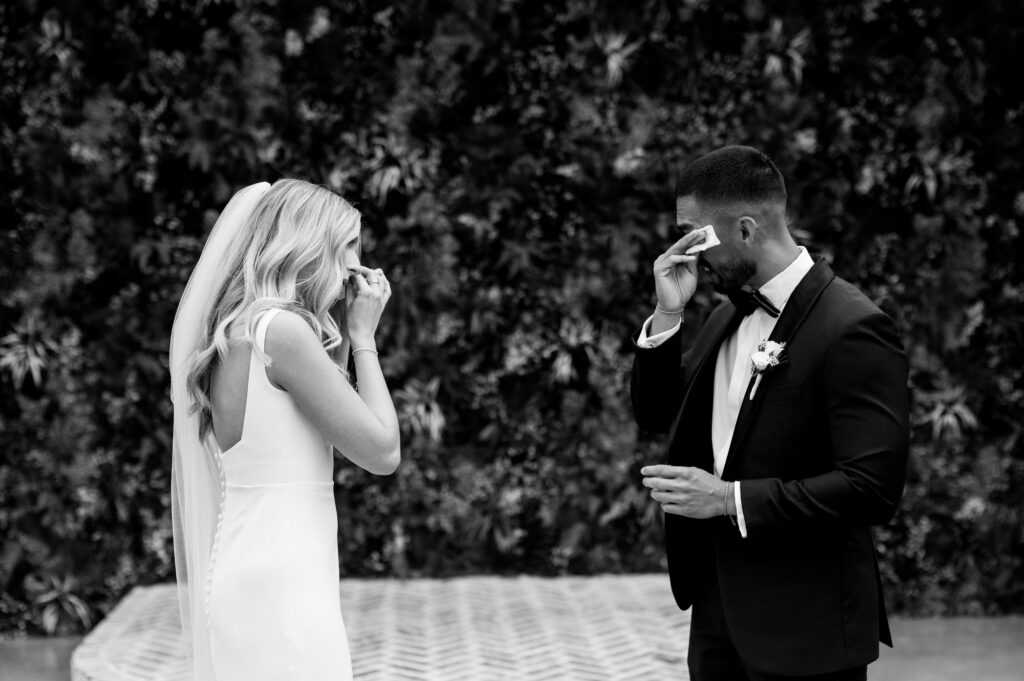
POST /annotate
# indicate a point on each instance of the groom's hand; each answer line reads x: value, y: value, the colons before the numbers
x: 687, y: 491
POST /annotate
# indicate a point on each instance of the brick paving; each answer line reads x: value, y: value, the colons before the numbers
x: 618, y: 627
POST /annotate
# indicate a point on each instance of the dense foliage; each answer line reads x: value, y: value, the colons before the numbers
x: 514, y: 162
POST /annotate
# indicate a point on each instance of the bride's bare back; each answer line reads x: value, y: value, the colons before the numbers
x: 229, y: 384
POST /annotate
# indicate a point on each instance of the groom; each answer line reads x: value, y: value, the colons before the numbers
x: 774, y: 476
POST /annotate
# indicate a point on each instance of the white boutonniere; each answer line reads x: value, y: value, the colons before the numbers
x: 767, y: 356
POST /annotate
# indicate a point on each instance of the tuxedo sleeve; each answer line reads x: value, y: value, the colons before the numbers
x: 656, y: 387
x: 867, y: 407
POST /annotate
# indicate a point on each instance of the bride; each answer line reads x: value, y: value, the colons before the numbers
x: 273, y: 311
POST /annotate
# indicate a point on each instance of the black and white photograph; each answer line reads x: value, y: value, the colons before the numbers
x: 507, y: 340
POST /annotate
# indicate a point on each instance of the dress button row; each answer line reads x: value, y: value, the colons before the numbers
x: 216, y: 539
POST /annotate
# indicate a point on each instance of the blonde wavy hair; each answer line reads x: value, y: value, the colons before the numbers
x: 288, y: 255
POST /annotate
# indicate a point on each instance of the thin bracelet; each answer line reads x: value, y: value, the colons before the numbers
x: 725, y: 499
x: 358, y: 350
x: 669, y: 312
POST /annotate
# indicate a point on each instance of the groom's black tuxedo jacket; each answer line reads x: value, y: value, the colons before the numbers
x: 821, y: 451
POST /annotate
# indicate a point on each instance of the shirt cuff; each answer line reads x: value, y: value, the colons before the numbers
x: 645, y: 341
x: 739, y: 510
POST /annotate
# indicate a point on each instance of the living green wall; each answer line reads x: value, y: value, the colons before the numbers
x: 514, y: 164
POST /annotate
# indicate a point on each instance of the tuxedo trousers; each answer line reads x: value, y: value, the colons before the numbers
x: 712, y: 656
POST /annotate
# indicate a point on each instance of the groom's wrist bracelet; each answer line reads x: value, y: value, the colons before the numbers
x: 725, y: 498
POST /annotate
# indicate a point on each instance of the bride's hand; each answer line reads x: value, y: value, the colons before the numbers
x: 365, y: 297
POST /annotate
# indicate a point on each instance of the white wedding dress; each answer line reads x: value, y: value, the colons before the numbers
x: 271, y: 592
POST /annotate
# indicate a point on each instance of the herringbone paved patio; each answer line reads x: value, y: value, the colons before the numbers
x: 471, y: 628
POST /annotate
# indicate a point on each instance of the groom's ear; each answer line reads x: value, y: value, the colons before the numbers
x: 748, y: 229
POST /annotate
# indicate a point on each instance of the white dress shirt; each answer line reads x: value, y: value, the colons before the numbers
x: 732, y: 368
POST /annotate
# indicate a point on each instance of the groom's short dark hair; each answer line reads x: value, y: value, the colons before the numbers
x: 732, y: 174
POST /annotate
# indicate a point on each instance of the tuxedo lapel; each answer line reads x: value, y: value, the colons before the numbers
x: 800, y: 304
x: 705, y: 350
x: 728, y: 322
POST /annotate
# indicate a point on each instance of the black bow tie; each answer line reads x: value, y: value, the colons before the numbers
x: 747, y: 299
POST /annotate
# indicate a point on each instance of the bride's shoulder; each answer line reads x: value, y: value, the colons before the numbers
x: 298, y: 359
x: 288, y: 331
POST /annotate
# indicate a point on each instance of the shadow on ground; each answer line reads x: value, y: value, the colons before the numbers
x: 944, y: 649
x: 37, y: 659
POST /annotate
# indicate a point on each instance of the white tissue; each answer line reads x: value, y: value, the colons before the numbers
x: 710, y: 240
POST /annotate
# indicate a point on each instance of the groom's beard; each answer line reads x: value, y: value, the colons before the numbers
x: 727, y: 277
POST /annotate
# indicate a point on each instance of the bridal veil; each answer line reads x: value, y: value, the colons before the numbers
x: 196, y: 493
